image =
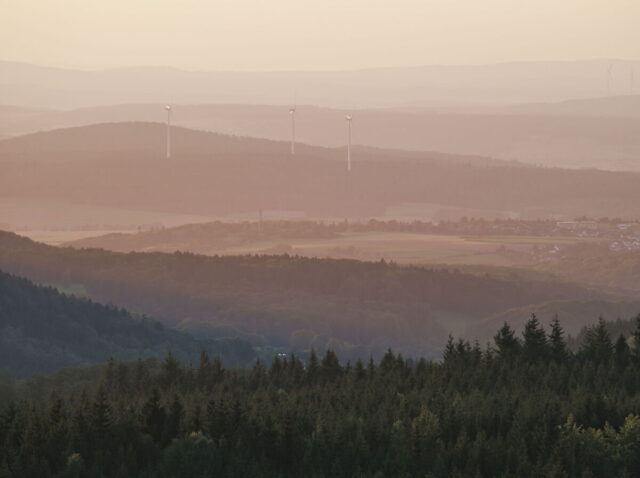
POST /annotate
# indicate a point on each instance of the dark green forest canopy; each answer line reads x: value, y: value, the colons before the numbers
x: 346, y: 305
x: 42, y: 330
x: 525, y: 407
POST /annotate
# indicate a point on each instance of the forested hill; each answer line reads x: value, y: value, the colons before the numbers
x: 42, y: 330
x: 356, y: 308
x: 525, y: 407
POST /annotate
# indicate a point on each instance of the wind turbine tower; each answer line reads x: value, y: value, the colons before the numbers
x: 349, y: 118
x: 168, y: 109
x: 292, y: 113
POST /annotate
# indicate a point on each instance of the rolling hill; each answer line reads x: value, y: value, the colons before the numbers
x: 42, y: 330
x: 356, y: 308
x: 149, y: 140
x: 596, y: 132
x: 137, y: 138
x: 219, y: 175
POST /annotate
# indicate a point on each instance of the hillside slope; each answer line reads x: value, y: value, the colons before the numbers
x: 42, y: 330
x: 135, y: 137
x: 149, y: 138
x: 357, y: 308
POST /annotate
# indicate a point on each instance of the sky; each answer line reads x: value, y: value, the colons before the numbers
x: 313, y: 35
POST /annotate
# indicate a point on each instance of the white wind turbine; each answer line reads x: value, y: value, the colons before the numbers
x: 168, y: 109
x: 349, y: 118
x: 292, y: 113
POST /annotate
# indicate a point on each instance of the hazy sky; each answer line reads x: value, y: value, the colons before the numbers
x: 318, y: 34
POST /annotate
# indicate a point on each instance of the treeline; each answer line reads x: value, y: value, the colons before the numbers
x: 526, y: 406
x: 42, y: 330
x: 615, y: 328
x: 212, y: 236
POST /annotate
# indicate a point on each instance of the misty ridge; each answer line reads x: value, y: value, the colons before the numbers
x: 464, y: 86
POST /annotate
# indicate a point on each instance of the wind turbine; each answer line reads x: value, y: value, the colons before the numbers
x: 292, y: 113
x: 168, y: 108
x: 349, y: 118
x: 609, y: 74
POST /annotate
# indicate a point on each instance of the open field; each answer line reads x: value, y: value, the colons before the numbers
x: 401, y: 247
x: 417, y: 248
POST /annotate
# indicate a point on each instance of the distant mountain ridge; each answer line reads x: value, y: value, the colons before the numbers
x: 502, y: 83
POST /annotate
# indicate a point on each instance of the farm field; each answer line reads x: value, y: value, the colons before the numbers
x: 401, y: 247
x: 421, y: 248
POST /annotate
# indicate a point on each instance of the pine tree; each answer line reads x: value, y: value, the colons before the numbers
x: 330, y: 366
x: 507, y: 343
x: 557, y: 342
x: 535, y: 340
x: 358, y: 370
x: 204, y: 370
x: 173, y: 420
x: 312, y: 368
x: 101, y: 415
x: 153, y: 415
x: 449, y: 353
x: 170, y: 370
x: 636, y: 338
x: 621, y: 352
x: 597, y: 343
